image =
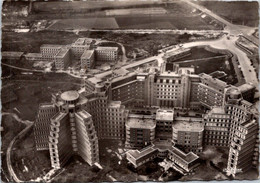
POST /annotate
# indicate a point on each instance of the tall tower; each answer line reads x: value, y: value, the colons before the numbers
x: 71, y: 130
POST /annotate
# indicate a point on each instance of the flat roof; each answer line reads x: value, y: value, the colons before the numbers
x: 163, y: 145
x: 188, y: 126
x: 164, y: 115
x: 217, y: 110
x: 83, y: 114
x: 114, y: 104
x: 62, y: 52
x: 105, y: 48
x: 245, y: 87
x: 33, y: 55
x: 140, y: 153
x: 140, y: 121
x: 213, y: 80
x: 83, y: 41
x: 11, y: 54
x: 94, y: 80
x: 70, y: 95
x: 87, y: 54
x: 51, y: 45
x: 186, y: 157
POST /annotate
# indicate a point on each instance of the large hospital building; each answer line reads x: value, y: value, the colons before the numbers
x: 150, y: 112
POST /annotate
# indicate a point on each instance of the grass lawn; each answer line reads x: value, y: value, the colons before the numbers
x: 168, y: 21
x: 87, y: 23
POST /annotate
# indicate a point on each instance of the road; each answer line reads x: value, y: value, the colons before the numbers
x: 222, y: 43
x: 16, y: 117
x: 230, y: 28
x: 9, y: 149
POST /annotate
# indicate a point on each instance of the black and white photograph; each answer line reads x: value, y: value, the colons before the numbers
x: 129, y: 91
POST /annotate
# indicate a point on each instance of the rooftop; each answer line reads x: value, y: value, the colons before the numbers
x: 83, y: 41
x: 104, y: 48
x: 186, y: 157
x: 70, y: 95
x: 140, y: 153
x: 164, y: 115
x: 33, y: 55
x: 246, y: 87
x: 62, y: 52
x: 217, y: 110
x: 188, y: 126
x: 87, y: 54
x: 83, y: 114
x: 140, y: 121
x: 114, y: 104
x: 11, y: 54
x: 94, y: 80
x: 163, y: 145
x: 212, y: 80
x: 51, y: 45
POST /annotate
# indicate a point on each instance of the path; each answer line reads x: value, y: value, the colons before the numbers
x: 9, y: 149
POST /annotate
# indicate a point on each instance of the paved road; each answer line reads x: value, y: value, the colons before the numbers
x: 8, y: 153
x: 231, y: 28
x: 16, y: 117
x: 9, y: 149
x: 229, y: 44
x: 222, y: 43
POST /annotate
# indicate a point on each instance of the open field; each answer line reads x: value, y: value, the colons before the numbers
x: 88, y: 5
x: 81, y: 24
x: 243, y: 12
x: 162, y: 22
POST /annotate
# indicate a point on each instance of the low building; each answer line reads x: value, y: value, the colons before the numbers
x: 34, y: 57
x: 87, y: 59
x: 12, y: 55
x: 106, y: 54
x: 140, y: 130
x: 162, y: 149
x: 164, y: 121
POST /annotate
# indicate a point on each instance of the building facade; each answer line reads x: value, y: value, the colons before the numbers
x: 106, y: 54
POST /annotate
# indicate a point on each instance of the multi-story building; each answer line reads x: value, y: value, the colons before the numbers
x: 106, y: 54
x: 248, y: 91
x: 188, y: 135
x: 217, y: 124
x: 176, y: 54
x: 87, y: 59
x: 140, y: 130
x: 211, y: 91
x: 70, y: 131
x: 62, y: 59
x: 49, y: 51
x: 176, y: 87
x: 244, y: 134
x: 42, y: 125
x: 164, y: 120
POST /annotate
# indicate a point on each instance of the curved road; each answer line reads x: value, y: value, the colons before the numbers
x: 9, y: 149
